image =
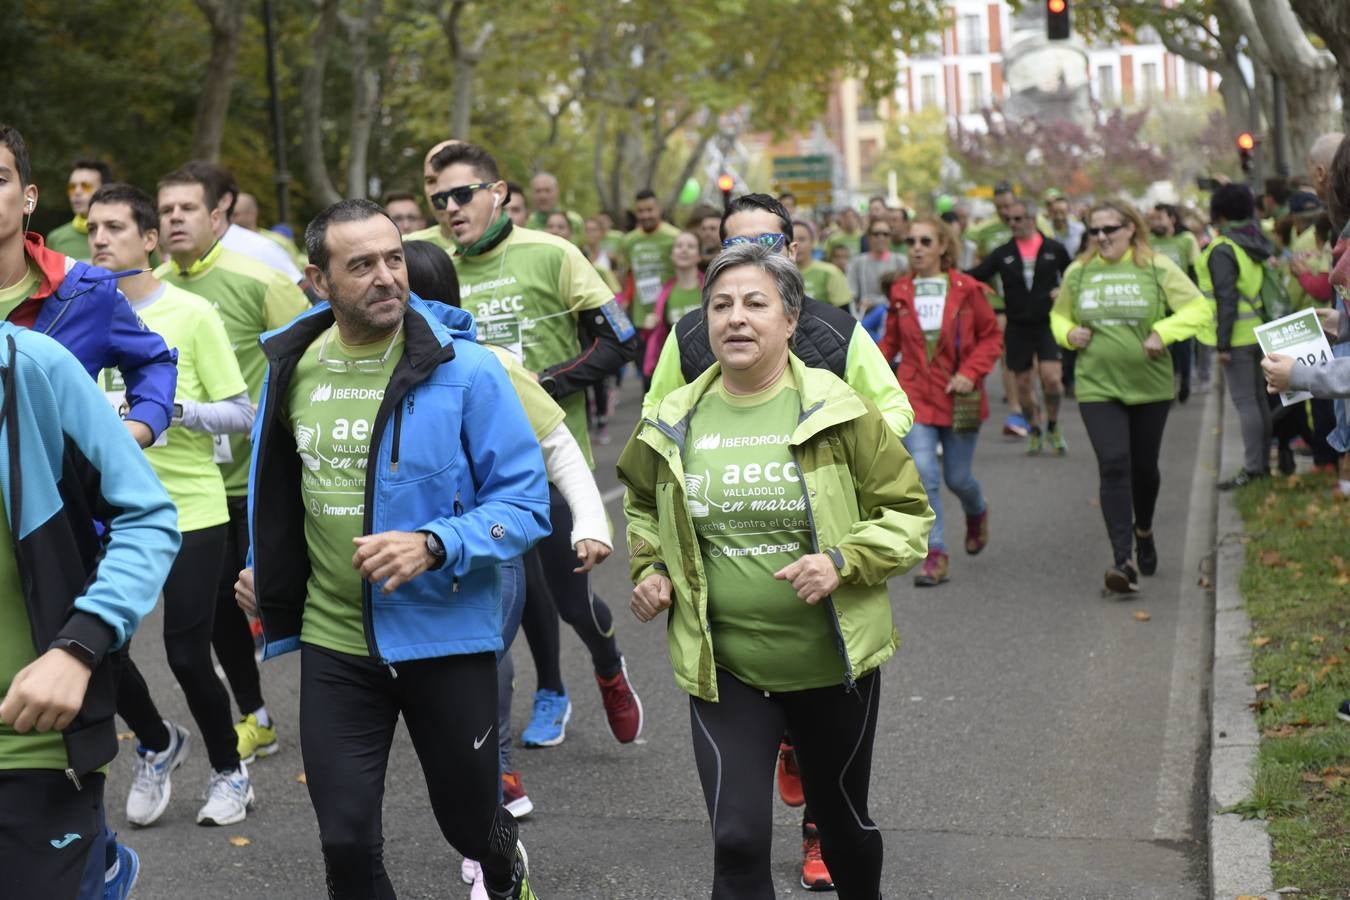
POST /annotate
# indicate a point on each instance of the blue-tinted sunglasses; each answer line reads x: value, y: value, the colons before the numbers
x: 772, y: 240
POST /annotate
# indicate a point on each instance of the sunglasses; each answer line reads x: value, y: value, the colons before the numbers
x: 86, y: 186
x: 924, y: 241
x: 1015, y: 219
x: 1104, y: 230
x: 771, y: 240
x: 884, y: 234
x: 461, y: 195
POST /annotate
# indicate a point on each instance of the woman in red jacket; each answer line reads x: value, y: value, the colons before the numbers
x: 943, y: 331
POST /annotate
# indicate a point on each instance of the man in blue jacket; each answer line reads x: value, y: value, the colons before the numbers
x: 68, y: 599
x: 78, y: 304
x: 393, y: 469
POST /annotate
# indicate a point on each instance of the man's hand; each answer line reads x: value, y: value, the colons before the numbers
x: 1277, y: 368
x: 46, y: 694
x: 394, y: 557
x: 591, y: 553
x: 1080, y: 336
x: 140, y: 431
x: 244, y: 595
x: 1225, y: 357
x: 960, y: 384
x: 1330, y: 318
x: 1154, y: 346
x: 652, y: 595
x: 814, y: 577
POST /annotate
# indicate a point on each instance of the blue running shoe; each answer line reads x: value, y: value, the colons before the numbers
x: 548, y: 724
x: 1015, y: 425
x: 128, y: 868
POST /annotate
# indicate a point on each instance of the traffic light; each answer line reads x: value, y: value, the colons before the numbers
x: 1057, y: 20
x: 724, y: 184
x: 1246, y: 144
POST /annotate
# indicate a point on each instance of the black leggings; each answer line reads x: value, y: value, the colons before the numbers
x: 553, y: 590
x: 1127, y: 440
x: 736, y: 746
x: 52, y: 834
x: 189, y: 611
x: 231, y: 636
x: 349, y: 706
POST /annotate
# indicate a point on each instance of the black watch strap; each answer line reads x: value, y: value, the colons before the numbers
x: 837, y: 557
x: 434, y: 546
x: 77, y: 650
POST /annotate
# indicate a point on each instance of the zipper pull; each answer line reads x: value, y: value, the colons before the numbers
x: 459, y: 507
x: 392, y: 671
x: 74, y: 779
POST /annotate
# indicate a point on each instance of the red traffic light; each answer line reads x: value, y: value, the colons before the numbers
x: 1245, y: 141
x: 1056, y: 6
x: 725, y: 183
x: 1057, y: 26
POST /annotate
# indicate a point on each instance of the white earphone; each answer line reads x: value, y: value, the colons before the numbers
x: 496, y: 202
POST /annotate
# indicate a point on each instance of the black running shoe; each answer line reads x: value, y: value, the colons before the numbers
x: 1122, y: 579
x: 1146, y: 553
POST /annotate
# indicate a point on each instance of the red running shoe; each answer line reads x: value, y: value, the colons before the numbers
x: 789, y: 779
x: 977, y: 532
x: 622, y: 706
x: 815, y: 877
x: 514, y: 798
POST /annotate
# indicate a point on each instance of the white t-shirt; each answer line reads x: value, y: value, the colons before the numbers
x: 241, y: 240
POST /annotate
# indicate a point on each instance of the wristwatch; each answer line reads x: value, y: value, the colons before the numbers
x: 77, y: 650
x: 836, y: 557
x: 435, y: 547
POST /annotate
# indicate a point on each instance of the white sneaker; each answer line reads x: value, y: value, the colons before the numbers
x: 469, y: 870
x: 479, y: 889
x: 228, y: 797
x: 150, y: 787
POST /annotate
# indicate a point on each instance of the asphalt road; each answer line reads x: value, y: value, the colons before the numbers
x: 1036, y: 739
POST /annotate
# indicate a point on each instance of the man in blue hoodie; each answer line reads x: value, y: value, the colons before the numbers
x: 393, y: 469
x: 78, y: 304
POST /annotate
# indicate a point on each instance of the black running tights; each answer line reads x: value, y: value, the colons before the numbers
x: 231, y: 636
x: 1127, y: 440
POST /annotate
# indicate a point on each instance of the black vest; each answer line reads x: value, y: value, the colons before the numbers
x: 821, y: 341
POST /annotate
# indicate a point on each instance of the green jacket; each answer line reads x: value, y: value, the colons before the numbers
x: 866, y: 507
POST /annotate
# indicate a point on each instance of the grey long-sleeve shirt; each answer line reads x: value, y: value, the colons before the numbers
x: 1329, y: 380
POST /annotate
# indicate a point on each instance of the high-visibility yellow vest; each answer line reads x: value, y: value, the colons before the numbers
x: 1250, y: 273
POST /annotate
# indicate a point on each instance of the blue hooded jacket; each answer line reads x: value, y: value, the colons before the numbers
x: 451, y: 452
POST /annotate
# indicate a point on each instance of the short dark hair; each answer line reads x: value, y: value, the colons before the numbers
x: 103, y: 169
x: 197, y: 172
x: 810, y: 229
x: 644, y: 194
x: 142, y: 208
x: 10, y: 137
x: 396, y: 196
x: 472, y: 155
x: 513, y: 190
x: 1278, y: 189
x: 316, y: 235
x: 431, y: 274
x: 752, y: 202
x: 1233, y: 202
x: 786, y: 194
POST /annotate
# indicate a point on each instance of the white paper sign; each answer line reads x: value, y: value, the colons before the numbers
x: 1298, y: 335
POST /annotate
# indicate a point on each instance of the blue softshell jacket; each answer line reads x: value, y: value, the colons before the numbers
x: 66, y: 461
x: 451, y: 452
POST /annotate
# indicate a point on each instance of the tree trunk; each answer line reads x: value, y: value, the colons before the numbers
x: 465, y: 61
x: 226, y: 21
x: 692, y: 163
x: 311, y: 101
x: 1331, y: 22
x: 365, y: 91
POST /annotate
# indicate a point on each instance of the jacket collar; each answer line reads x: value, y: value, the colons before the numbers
x: 53, y: 266
x: 425, y: 336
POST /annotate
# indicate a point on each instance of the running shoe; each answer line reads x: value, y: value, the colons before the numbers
x: 548, y: 724
x: 1034, y: 442
x: 150, y: 785
x: 514, y: 798
x: 815, y: 876
x: 1015, y: 425
x: 255, y: 740
x: 1055, y: 439
x: 469, y: 871
x: 977, y: 532
x: 1241, y: 479
x: 622, y: 706
x: 1145, y: 552
x: 1343, y: 711
x: 228, y: 796
x: 933, y: 571
x: 602, y: 436
x: 520, y: 881
x: 1122, y: 579
x: 125, y: 873
x: 789, y: 777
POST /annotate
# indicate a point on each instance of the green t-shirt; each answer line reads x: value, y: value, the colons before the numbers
x: 539, y: 222
x: 184, y: 459
x: 332, y: 417
x: 989, y: 234
x: 12, y: 296
x: 1120, y: 302
x: 682, y: 301
x: 930, y: 302
x: 251, y: 298
x: 649, y: 262
x: 824, y: 281
x: 745, y: 496
x: 542, y: 411
x: 1181, y: 249
x: 70, y: 240
x: 843, y: 239
x: 526, y: 295
x: 432, y: 234
x: 34, y: 750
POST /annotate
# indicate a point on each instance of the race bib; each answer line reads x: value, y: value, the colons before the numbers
x: 649, y: 288
x: 504, y: 333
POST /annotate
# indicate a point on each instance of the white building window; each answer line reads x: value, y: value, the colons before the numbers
x: 975, y: 92
x: 1149, y: 75
x: 1106, y: 85
x: 1192, y: 79
x: 972, y: 34
x: 928, y: 97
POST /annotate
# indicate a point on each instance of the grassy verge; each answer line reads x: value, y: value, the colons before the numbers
x: 1296, y: 584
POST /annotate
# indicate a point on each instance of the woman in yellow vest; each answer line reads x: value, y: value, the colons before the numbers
x: 1230, y: 272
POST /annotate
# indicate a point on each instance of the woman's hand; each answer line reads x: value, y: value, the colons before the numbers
x: 813, y: 577
x: 1277, y: 369
x: 1331, y: 321
x: 1080, y: 336
x: 651, y: 596
x: 960, y: 384
x: 1154, y: 346
x: 590, y: 553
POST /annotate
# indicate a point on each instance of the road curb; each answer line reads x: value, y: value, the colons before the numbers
x: 1239, y: 851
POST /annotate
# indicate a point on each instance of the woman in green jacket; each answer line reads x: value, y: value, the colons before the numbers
x: 767, y: 506
x: 1113, y: 308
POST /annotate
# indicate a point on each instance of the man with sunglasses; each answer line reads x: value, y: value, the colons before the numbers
x: 1029, y: 268
x: 866, y: 270
x: 72, y: 238
x: 537, y: 296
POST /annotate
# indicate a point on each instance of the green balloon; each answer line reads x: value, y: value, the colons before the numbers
x: 690, y: 192
x: 945, y: 203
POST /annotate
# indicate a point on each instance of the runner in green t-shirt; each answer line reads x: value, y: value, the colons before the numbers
x: 823, y: 280
x: 211, y: 400
x: 546, y: 194
x: 72, y: 238
x: 647, y: 250
x: 538, y: 296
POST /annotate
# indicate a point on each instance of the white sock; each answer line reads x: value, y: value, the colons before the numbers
x: 264, y: 720
x: 1343, y: 486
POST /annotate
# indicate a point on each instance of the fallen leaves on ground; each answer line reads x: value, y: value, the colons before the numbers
x: 301, y: 778
x: 1272, y: 559
x: 125, y: 735
x: 240, y: 841
x: 1260, y: 641
x: 1300, y: 691
x: 1141, y: 616
x: 1263, y: 686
